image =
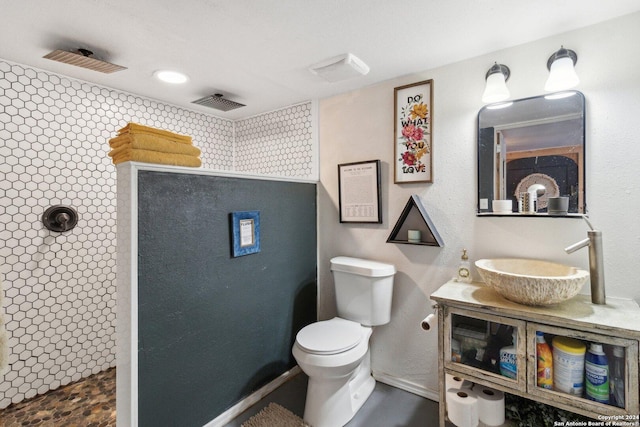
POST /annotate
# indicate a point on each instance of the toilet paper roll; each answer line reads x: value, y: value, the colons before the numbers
x: 428, y: 322
x: 457, y: 382
x: 490, y: 405
x: 462, y: 407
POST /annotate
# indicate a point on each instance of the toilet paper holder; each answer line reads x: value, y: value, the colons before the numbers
x: 427, y: 322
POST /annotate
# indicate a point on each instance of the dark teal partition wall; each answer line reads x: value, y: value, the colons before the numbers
x: 212, y: 328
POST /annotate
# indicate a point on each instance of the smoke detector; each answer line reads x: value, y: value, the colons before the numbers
x: 218, y: 102
x: 340, y: 68
x: 83, y: 58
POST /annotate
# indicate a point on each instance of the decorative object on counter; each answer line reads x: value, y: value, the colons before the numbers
x: 616, y: 382
x: 562, y: 74
x: 544, y: 357
x: 413, y: 130
x: 568, y: 365
x: 414, y: 216
x: 502, y: 206
x: 496, y: 89
x: 532, y: 281
x: 413, y: 236
x: 138, y: 143
x: 558, y: 205
x: 60, y: 218
x: 359, y: 192
x: 464, y: 268
x: 245, y: 233
x: 596, y: 262
x: 540, y: 187
x: 596, y: 374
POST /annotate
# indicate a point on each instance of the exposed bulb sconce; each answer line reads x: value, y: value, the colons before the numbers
x: 496, y: 87
x: 562, y: 74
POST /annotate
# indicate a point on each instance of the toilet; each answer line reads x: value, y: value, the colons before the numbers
x: 335, y: 353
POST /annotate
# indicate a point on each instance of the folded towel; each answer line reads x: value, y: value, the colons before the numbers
x: 147, y: 156
x: 135, y: 128
x: 4, y: 346
x: 151, y: 143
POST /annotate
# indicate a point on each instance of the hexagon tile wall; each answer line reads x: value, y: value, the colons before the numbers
x: 60, y: 287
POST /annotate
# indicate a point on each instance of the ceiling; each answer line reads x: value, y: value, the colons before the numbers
x: 258, y: 52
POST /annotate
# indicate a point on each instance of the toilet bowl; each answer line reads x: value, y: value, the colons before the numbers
x: 339, y: 370
x: 335, y: 353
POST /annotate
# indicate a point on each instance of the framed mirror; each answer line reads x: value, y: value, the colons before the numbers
x: 532, y: 145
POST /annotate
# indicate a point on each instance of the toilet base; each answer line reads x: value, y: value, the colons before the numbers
x: 333, y: 402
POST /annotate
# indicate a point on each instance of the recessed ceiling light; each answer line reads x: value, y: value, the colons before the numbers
x: 172, y: 77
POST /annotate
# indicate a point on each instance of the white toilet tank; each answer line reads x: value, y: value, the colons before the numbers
x: 363, y: 289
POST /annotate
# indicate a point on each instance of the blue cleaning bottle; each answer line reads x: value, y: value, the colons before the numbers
x: 596, y: 370
x: 509, y: 358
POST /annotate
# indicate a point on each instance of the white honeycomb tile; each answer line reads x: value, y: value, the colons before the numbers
x: 59, y: 288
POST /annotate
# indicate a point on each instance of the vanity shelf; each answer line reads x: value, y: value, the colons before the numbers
x: 530, y: 215
x: 477, y: 308
x: 415, y: 217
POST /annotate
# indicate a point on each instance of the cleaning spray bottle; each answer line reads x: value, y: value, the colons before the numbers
x: 596, y: 374
x: 508, y: 358
x: 545, y: 362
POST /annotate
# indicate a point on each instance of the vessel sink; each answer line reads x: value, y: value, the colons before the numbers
x: 532, y: 281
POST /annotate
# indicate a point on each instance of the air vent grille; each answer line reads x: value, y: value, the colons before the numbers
x: 83, y: 59
x: 218, y: 102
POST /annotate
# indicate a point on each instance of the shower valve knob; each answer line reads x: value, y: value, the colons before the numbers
x: 60, y: 218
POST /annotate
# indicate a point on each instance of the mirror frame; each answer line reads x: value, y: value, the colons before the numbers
x: 490, y: 174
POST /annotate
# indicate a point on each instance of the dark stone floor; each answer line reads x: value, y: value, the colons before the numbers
x: 90, y: 402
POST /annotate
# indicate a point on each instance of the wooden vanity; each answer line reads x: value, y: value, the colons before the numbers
x: 470, y: 311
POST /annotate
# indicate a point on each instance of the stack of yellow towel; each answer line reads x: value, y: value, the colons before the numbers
x: 138, y: 143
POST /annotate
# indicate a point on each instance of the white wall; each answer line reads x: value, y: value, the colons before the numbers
x: 358, y: 126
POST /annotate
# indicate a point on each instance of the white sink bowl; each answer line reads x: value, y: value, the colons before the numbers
x: 531, y: 281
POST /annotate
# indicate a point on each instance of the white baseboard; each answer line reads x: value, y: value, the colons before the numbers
x: 405, y: 385
x: 231, y: 413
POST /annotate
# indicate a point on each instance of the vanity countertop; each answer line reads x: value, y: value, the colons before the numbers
x: 619, y: 314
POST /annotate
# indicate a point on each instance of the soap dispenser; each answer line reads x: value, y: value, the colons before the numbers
x: 464, y: 269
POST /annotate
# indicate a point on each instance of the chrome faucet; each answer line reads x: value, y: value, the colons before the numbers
x: 596, y: 262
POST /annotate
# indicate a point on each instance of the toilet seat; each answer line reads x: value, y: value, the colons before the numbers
x: 330, y: 336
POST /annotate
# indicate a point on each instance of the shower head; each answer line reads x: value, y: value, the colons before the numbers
x: 83, y: 58
x: 217, y: 102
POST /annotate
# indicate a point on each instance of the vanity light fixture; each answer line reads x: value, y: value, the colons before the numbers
x: 496, y: 87
x: 562, y: 74
x: 173, y: 77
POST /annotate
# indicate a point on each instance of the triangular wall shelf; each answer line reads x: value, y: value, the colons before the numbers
x: 414, y: 217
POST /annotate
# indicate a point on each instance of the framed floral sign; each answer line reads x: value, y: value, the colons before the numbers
x: 413, y: 130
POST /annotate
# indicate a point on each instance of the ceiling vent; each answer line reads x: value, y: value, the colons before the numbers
x: 217, y: 102
x: 340, y: 68
x: 83, y: 58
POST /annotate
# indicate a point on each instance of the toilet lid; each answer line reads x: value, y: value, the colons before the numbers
x: 330, y: 336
